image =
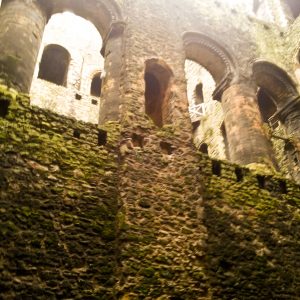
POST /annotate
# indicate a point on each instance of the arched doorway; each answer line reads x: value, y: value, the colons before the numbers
x: 158, y: 80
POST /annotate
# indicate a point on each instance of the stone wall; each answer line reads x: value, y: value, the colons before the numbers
x: 143, y: 217
x: 146, y: 216
x: 59, y: 201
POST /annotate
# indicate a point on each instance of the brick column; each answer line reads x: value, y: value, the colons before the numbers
x: 113, y: 63
x: 21, y: 30
x: 244, y: 127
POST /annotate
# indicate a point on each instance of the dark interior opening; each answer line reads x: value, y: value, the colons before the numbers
x: 266, y: 105
x: 4, y: 105
x: 239, y: 173
x: 283, y: 187
x: 261, y: 180
x: 195, y: 125
x: 137, y: 140
x: 96, y: 85
x: 204, y: 148
x: 102, y: 137
x: 216, y: 168
x: 157, y: 91
x: 76, y: 133
x: 199, y: 98
x: 55, y: 64
x: 166, y: 148
x: 154, y: 99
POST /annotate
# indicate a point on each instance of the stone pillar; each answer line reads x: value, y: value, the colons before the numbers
x: 247, y: 139
x: 113, y: 63
x: 21, y: 30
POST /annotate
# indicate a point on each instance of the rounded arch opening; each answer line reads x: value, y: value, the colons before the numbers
x: 275, y: 82
x: 55, y: 64
x: 158, y: 80
x: 102, y: 13
x: 96, y: 85
x: 266, y: 105
x: 215, y: 58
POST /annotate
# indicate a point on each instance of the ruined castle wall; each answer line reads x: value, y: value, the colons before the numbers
x: 146, y: 216
x: 58, y: 206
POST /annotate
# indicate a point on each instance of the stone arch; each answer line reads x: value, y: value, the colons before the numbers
x: 212, y: 56
x: 280, y: 89
x: 275, y: 82
x: 158, y: 81
x: 55, y: 64
x: 102, y: 13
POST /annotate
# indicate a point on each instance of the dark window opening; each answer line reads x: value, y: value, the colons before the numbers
x: 157, y: 91
x: 102, y: 137
x: 137, y: 140
x: 4, y: 105
x: 261, y: 180
x: 226, y: 145
x: 283, y: 187
x: 76, y: 133
x: 96, y: 85
x: 239, y: 173
x: 216, y: 168
x: 166, y: 148
x: 78, y: 97
x: 204, y: 148
x: 94, y: 102
x: 195, y: 125
x: 55, y: 64
x: 266, y: 105
x: 199, y: 98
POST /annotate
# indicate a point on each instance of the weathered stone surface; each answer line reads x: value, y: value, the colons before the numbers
x: 133, y: 211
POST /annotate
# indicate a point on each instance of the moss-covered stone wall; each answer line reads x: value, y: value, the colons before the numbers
x: 58, y: 205
x: 252, y: 246
x: 143, y: 217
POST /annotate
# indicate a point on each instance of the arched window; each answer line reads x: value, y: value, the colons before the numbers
x: 266, y: 105
x: 157, y: 91
x: 96, y: 85
x: 199, y: 98
x: 55, y: 64
x: 204, y: 148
